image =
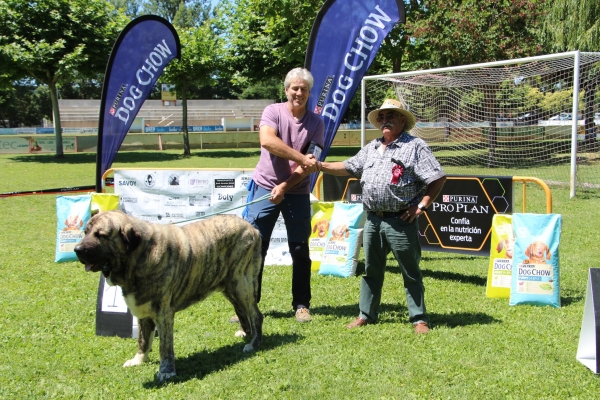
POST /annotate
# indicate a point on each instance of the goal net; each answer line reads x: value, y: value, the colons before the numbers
x: 537, y: 116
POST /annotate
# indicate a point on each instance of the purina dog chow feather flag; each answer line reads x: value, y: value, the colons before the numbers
x: 344, y: 40
x: 138, y: 58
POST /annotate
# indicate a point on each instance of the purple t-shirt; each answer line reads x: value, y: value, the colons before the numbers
x: 272, y: 170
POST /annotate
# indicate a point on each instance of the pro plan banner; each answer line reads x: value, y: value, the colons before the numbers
x: 139, y: 56
x: 460, y: 218
x: 343, y: 43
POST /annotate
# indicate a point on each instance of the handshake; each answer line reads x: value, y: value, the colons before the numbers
x: 310, y: 164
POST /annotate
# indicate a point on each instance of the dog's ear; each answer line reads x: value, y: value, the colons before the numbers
x: 315, y: 228
x: 131, y: 237
x: 528, y: 250
x: 500, y: 246
x: 547, y: 250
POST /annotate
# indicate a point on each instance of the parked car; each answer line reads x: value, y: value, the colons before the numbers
x: 563, y: 117
x: 527, y: 119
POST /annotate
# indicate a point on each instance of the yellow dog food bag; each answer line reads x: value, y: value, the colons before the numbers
x: 319, y: 223
x: 501, y: 254
x: 104, y: 202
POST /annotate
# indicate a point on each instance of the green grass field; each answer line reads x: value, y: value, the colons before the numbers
x: 479, y: 348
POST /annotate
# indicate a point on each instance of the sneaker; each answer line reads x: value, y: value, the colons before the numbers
x: 303, y: 315
x: 234, y: 319
x: 239, y: 333
x: 421, y: 328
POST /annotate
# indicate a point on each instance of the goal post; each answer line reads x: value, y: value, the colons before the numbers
x: 536, y: 116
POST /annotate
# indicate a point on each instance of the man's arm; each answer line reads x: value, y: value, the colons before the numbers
x: 432, y: 191
x: 333, y: 168
x: 279, y: 191
x: 274, y: 145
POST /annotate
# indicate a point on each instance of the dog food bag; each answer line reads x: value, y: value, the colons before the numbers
x: 72, y: 212
x: 321, y: 218
x: 535, y: 272
x: 104, y: 202
x: 501, y: 254
x: 344, y: 240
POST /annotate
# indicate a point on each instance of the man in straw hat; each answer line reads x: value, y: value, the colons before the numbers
x: 400, y: 178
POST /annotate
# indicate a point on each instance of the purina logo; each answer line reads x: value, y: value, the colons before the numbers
x: 323, y: 95
x: 150, y: 181
x: 454, y: 198
x: 117, y: 100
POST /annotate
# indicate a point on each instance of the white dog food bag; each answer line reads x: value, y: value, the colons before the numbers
x: 501, y: 255
x: 535, y: 272
x: 344, y: 240
x: 72, y: 213
x: 319, y: 224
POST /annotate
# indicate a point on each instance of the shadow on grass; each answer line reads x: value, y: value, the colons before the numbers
x: 446, y: 276
x: 132, y: 157
x: 198, y: 365
x: 454, y: 320
x: 568, y: 300
x: 451, y: 256
x: 453, y: 276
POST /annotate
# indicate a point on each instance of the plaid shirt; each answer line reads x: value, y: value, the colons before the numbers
x: 375, y: 173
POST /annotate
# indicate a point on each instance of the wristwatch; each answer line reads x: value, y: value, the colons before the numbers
x: 422, y: 207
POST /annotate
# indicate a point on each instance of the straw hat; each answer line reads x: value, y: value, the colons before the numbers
x: 393, y: 105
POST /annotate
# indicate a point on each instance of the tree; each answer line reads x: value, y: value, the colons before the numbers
x: 24, y: 103
x: 197, y: 63
x: 575, y: 25
x: 463, y: 32
x: 182, y: 13
x: 131, y: 8
x: 265, y: 38
x: 49, y: 40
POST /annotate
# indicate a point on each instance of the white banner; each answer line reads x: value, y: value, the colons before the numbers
x: 172, y: 196
x: 14, y: 145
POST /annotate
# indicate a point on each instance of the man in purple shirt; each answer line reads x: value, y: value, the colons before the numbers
x: 286, y: 131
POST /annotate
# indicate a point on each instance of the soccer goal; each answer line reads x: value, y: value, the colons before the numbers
x: 537, y: 116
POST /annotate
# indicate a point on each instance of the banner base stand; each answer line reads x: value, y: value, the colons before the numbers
x: 113, y: 318
x: 587, y: 350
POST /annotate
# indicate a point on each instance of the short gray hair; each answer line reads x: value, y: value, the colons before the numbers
x: 299, y: 74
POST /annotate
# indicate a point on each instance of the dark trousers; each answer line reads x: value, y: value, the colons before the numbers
x: 295, y: 210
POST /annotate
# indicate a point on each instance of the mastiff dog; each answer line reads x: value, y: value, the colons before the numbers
x: 163, y: 269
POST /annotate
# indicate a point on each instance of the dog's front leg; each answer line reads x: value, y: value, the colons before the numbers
x: 167, y: 354
x: 145, y: 336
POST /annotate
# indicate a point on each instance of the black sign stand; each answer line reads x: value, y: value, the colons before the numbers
x: 589, y: 338
x: 113, y: 323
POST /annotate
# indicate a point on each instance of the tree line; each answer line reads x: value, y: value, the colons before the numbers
x: 241, y: 49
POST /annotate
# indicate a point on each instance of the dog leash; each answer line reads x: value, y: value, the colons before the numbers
x: 266, y: 196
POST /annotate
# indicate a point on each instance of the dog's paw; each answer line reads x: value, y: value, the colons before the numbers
x: 240, y: 333
x: 139, y: 359
x: 163, y: 376
x: 248, y: 348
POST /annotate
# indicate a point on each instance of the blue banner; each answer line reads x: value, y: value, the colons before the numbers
x: 139, y: 56
x: 344, y: 40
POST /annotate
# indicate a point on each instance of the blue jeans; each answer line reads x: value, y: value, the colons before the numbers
x: 380, y: 236
x: 295, y: 209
